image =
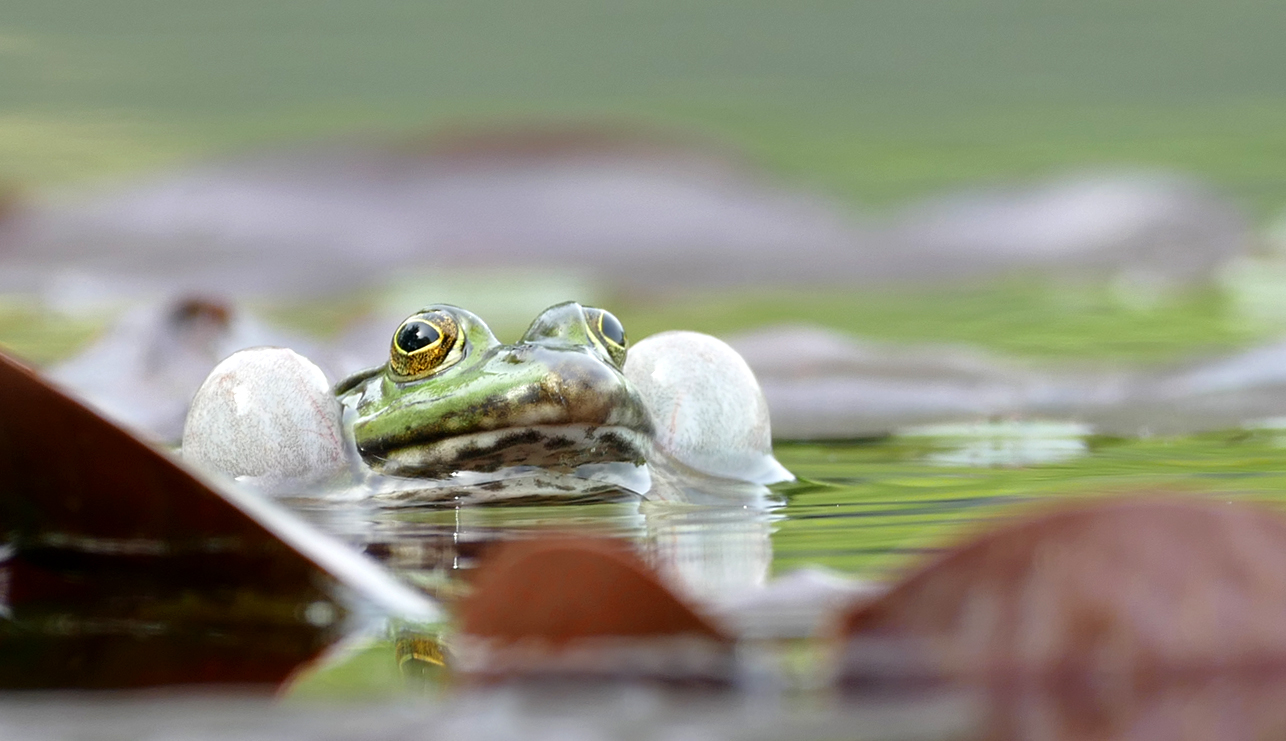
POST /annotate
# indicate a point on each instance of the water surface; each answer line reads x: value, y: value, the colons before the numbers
x: 873, y: 508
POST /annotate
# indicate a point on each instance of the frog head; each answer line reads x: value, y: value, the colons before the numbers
x: 452, y: 397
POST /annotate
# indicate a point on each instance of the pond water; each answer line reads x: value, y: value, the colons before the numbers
x: 874, y: 508
x: 868, y: 509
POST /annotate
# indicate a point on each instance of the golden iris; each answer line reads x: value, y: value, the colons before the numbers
x: 423, y: 344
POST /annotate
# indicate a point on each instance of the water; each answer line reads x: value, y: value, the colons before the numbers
x: 710, y: 537
x: 875, y: 508
x: 867, y: 509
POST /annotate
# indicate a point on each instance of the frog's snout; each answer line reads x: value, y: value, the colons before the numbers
x: 587, y: 391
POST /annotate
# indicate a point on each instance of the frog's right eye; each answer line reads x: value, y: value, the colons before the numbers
x: 424, y: 344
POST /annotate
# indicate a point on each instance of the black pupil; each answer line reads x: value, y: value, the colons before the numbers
x: 612, y: 329
x: 415, y: 335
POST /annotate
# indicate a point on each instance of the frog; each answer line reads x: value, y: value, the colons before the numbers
x: 452, y: 397
x: 451, y: 403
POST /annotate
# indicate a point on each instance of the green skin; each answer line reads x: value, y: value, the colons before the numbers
x: 557, y: 398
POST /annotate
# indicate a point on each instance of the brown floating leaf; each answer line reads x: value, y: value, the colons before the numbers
x: 70, y: 480
x: 1133, y: 590
x: 69, y: 476
x: 129, y: 570
x: 558, y: 590
x: 1192, y: 709
x: 584, y: 608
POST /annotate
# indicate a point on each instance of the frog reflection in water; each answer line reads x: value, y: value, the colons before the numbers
x: 453, y: 398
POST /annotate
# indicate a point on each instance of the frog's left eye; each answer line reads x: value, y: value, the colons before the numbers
x: 609, y: 333
x: 424, y: 344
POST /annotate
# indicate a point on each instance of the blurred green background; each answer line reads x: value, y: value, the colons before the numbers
x: 875, y: 101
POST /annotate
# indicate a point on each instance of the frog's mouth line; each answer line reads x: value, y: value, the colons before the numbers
x: 557, y: 447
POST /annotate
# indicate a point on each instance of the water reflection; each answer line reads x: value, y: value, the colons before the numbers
x: 1004, y: 442
x: 709, y: 537
x: 713, y: 552
x: 91, y: 621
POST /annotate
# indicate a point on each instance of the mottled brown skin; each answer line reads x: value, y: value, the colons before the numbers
x: 1132, y: 589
